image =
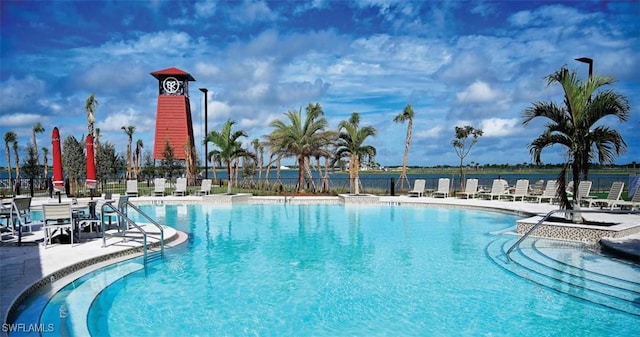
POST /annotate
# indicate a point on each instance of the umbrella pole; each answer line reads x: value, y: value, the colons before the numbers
x: 59, y: 197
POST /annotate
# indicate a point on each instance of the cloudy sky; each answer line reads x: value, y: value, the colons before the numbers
x: 478, y: 63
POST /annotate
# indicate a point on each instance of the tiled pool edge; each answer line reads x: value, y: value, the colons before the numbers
x: 47, y: 280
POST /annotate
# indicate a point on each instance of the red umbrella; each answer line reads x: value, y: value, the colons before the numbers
x: 58, y: 182
x: 91, y: 165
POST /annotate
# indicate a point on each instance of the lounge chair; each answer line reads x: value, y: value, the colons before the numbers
x: 470, y: 190
x: 205, y: 187
x: 612, y: 197
x: 537, y: 188
x: 499, y: 188
x: 443, y: 188
x: 132, y: 188
x: 56, y: 217
x: 634, y: 203
x: 181, y: 187
x: 159, y: 187
x: 418, y: 188
x: 521, y: 191
x: 549, y: 193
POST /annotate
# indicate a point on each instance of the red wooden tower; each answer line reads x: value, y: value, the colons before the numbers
x: 173, y: 117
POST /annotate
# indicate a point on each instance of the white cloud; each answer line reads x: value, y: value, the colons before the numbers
x: 500, y: 127
x: 205, y: 9
x: 433, y: 132
x: 478, y: 92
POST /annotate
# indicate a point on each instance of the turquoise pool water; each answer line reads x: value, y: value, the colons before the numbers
x: 325, y: 270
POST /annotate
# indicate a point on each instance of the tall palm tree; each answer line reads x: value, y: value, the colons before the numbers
x: 9, y: 138
x: 405, y: 115
x: 129, y: 130
x: 300, y: 139
x: 574, y: 125
x: 45, y: 154
x: 229, y: 147
x: 37, y: 128
x: 350, y: 144
x: 138, y: 157
x: 90, y: 106
x: 17, y: 161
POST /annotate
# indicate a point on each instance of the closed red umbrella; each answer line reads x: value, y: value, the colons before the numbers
x: 91, y: 165
x: 58, y: 182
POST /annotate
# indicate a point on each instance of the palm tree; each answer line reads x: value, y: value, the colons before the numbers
x: 9, y: 138
x: 405, y: 115
x: 45, y: 154
x: 17, y: 161
x: 138, y: 157
x: 350, y: 144
x: 229, y: 147
x: 37, y: 129
x: 90, y: 106
x: 129, y: 130
x: 300, y: 139
x: 574, y: 125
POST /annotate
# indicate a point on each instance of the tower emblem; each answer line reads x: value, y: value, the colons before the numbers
x: 171, y: 85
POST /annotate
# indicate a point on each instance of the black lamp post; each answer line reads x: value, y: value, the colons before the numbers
x: 206, y: 151
x: 587, y: 61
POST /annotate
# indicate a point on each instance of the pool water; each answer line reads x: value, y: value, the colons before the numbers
x: 325, y: 270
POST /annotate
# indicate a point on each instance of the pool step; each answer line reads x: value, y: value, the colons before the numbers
x: 71, y: 305
x: 583, y: 277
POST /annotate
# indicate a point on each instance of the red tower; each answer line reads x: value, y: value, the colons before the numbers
x: 173, y: 117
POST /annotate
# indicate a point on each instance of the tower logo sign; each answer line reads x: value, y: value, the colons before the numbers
x: 171, y: 85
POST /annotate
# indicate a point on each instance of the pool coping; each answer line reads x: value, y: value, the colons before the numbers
x: 517, y: 208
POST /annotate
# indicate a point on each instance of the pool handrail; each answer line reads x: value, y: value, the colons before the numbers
x: 123, y: 217
x: 571, y: 211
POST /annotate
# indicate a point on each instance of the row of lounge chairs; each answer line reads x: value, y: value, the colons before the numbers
x: 522, y: 191
x: 160, y: 187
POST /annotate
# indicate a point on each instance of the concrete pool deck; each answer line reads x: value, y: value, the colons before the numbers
x: 21, y: 268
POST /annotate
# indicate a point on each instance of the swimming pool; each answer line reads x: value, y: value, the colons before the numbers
x: 331, y: 270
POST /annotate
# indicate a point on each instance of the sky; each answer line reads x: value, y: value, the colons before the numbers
x: 477, y: 63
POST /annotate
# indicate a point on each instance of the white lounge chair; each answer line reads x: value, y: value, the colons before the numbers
x: 418, y: 188
x: 443, y: 188
x: 181, y: 187
x: 499, y: 188
x: 612, y: 197
x: 470, y: 189
x: 56, y: 217
x: 537, y: 187
x: 548, y: 194
x: 521, y: 191
x: 205, y: 187
x: 159, y: 187
x: 634, y: 203
x: 132, y: 188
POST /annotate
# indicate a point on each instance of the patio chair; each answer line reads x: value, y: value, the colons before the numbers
x: 15, y: 214
x: 443, y: 188
x: 521, y: 191
x: 612, y: 197
x: 634, y: 203
x: 159, y: 187
x: 181, y: 187
x: 537, y: 188
x: 470, y: 190
x: 56, y: 217
x: 499, y: 188
x: 132, y: 188
x: 205, y: 187
x: 418, y: 188
x: 549, y: 193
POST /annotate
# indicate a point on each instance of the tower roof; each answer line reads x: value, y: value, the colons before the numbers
x: 172, y: 72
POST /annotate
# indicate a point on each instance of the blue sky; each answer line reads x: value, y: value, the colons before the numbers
x: 478, y: 63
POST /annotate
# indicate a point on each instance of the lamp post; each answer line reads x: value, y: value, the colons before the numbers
x: 588, y: 61
x: 206, y: 151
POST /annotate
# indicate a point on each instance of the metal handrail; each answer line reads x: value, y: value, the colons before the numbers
x: 534, y: 227
x: 124, y: 216
x: 153, y: 222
